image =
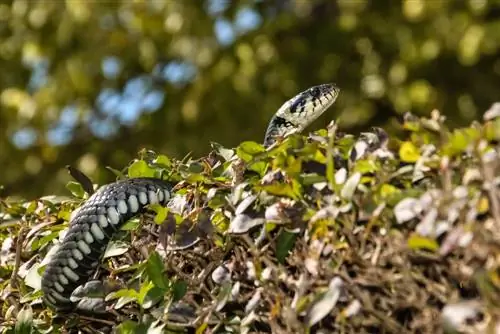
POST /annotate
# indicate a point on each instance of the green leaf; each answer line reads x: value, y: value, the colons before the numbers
x: 115, y: 248
x: 140, y: 168
x: 388, y: 190
x: 131, y: 225
x: 154, y: 295
x: 225, y: 153
x: 418, y: 242
x: 24, y: 321
x: 251, y: 147
x: 409, y: 152
x: 163, y: 161
x: 366, y: 166
x: 248, y: 149
x: 192, y: 178
x: 143, y: 292
x: 161, y: 213
x: 131, y: 327
x: 259, y: 167
x: 291, y: 189
x: 179, y: 289
x: 195, y: 167
x: 76, y: 189
x: 156, y: 271
x: 459, y: 140
x: 285, y: 242
x: 294, y: 165
x: 308, y: 179
x: 32, y: 206
x: 202, y: 328
x: 124, y: 297
x: 38, y: 243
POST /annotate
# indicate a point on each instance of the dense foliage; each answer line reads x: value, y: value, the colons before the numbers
x: 90, y: 83
x: 334, y: 232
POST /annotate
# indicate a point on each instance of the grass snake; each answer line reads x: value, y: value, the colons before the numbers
x: 94, y: 224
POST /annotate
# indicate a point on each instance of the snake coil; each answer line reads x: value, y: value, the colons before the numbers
x: 94, y: 224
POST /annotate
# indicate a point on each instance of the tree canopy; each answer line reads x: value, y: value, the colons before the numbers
x: 90, y: 83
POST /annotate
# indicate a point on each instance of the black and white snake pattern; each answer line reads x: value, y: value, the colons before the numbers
x: 94, y: 224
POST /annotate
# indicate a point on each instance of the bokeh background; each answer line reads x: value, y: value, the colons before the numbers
x: 90, y: 83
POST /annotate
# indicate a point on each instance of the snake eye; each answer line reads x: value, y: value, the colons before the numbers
x: 315, y: 92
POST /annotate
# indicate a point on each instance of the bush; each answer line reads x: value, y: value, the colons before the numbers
x: 327, y: 232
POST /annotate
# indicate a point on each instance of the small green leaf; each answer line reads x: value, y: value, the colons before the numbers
x: 291, y: 189
x: 115, y: 248
x: 409, y: 152
x: 419, y: 242
x: 179, y: 289
x: 388, y: 190
x: 285, y: 242
x: 124, y: 297
x: 140, y: 168
x: 143, y: 292
x: 163, y: 161
x: 24, y: 321
x: 195, y: 167
x: 366, y: 166
x: 202, y: 328
x: 161, y: 213
x: 308, y: 179
x: 131, y: 225
x: 251, y: 147
x: 294, y: 165
x: 156, y: 271
x: 225, y: 153
x: 131, y: 327
x: 459, y: 140
x: 154, y: 295
x: 38, y: 243
x: 192, y: 178
x: 76, y: 189
x: 259, y: 167
x: 248, y: 149
x: 32, y: 206
x: 318, y: 156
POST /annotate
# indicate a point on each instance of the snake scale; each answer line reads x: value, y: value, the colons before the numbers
x: 94, y: 224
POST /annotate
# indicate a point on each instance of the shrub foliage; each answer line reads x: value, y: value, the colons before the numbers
x: 328, y: 231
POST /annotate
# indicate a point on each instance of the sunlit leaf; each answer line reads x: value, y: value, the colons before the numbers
x: 76, y: 189
x: 418, y: 242
x: 225, y: 153
x: 116, y: 248
x: 409, y: 152
x: 163, y: 161
x: 140, y: 168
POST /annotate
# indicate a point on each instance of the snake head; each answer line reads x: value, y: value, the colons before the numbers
x: 300, y: 111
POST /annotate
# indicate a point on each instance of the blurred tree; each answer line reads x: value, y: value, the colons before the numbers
x: 89, y: 83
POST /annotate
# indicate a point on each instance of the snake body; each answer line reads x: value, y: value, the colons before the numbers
x: 94, y: 224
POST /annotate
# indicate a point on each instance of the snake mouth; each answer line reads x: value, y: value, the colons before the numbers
x: 300, y: 111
